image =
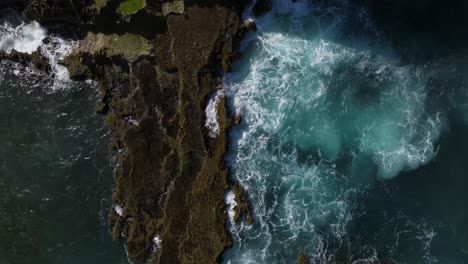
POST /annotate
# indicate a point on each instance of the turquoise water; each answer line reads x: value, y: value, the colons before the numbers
x: 55, y: 172
x: 347, y: 152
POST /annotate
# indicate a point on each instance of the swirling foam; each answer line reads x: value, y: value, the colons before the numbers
x: 55, y: 50
x: 321, y: 120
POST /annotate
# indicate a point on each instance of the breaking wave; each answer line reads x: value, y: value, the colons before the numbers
x: 325, y: 119
x: 25, y: 38
x: 211, y: 113
x: 29, y: 37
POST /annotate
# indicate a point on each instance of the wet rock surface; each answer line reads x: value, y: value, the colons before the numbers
x: 35, y: 59
x: 242, y: 209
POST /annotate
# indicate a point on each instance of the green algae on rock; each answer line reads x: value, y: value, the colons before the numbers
x: 129, y: 46
x: 129, y: 7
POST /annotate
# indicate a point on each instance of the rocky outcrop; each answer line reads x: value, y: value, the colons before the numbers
x: 35, y: 59
x: 242, y: 208
x: 170, y: 177
x: 156, y: 74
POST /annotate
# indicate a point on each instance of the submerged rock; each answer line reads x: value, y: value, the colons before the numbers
x: 301, y: 259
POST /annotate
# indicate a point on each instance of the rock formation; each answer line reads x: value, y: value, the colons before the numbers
x: 156, y: 68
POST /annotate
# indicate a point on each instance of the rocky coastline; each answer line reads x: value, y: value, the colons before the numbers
x: 156, y: 70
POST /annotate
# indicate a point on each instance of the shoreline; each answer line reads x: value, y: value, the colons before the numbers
x: 170, y: 176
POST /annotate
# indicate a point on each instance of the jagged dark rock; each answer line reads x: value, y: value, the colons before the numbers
x: 242, y: 210
x: 35, y: 59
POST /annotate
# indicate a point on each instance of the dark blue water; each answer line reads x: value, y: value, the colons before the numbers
x: 55, y: 172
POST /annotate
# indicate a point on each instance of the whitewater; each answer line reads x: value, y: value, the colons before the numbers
x: 29, y: 37
x: 333, y: 121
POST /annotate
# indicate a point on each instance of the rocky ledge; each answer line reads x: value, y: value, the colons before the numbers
x: 157, y: 64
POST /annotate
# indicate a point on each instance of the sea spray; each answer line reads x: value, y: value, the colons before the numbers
x: 25, y: 37
x: 30, y: 37
x: 55, y: 50
x: 230, y: 200
x: 211, y: 112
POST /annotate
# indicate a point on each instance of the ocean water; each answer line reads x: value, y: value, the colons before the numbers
x: 55, y: 164
x: 348, y: 153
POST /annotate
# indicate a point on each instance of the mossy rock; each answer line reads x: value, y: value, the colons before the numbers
x: 169, y: 176
x: 129, y: 7
x: 74, y: 66
x: 129, y: 46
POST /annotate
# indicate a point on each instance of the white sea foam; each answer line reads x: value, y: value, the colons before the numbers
x: 55, y: 50
x: 26, y: 38
x: 307, y: 102
x: 398, y: 140
x: 211, y: 113
x: 31, y: 37
x: 118, y: 209
x: 157, y: 243
x: 230, y: 200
